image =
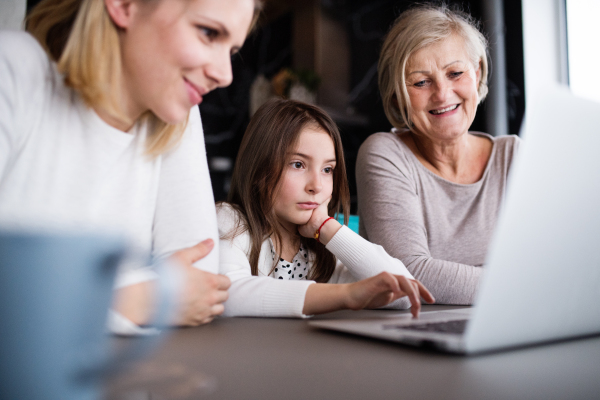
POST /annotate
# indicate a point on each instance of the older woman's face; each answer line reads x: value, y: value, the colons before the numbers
x: 442, y: 86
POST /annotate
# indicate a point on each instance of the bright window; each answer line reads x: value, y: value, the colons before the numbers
x: 583, y: 35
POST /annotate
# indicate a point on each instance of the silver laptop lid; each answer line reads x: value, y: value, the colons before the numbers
x: 542, y: 277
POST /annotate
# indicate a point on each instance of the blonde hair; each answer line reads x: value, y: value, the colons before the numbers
x: 80, y: 36
x: 415, y: 29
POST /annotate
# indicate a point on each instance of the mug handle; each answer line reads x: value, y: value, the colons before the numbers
x: 95, y: 361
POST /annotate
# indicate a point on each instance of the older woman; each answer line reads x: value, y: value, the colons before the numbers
x: 429, y: 191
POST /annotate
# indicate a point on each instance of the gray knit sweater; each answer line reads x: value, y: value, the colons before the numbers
x: 439, y: 229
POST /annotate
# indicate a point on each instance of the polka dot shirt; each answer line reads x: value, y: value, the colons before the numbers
x: 297, y: 269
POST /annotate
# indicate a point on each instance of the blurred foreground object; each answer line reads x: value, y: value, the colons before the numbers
x: 55, y: 292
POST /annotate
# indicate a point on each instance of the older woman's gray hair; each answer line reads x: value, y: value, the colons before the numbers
x: 415, y: 29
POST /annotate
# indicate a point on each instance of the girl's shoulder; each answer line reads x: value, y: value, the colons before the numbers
x: 230, y: 220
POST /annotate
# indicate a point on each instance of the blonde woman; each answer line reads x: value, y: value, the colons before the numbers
x: 99, y: 128
x: 430, y: 191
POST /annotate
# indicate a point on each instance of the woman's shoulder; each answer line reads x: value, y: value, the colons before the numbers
x: 506, y: 147
x: 384, y: 144
x: 22, y: 55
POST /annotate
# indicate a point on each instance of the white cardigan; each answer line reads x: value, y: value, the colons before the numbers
x: 263, y: 296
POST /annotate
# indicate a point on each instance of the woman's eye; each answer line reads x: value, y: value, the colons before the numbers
x: 456, y: 74
x: 208, y: 32
x: 420, y: 83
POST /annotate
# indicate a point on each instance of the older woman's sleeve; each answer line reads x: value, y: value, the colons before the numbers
x: 391, y: 215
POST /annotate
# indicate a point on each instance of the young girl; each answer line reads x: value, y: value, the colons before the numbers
x: 284, y: 253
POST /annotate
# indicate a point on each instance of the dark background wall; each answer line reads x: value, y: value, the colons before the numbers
x: 225, y: 112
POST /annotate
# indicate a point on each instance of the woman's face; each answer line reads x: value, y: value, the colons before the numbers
x: 442, y: 86
x: 176, y: 51
x: 307, y: 179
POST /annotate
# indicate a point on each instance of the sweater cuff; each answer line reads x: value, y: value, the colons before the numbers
x: 348, y: 246
x: 285, y: 298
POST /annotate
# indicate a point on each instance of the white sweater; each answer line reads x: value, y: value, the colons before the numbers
x: 263, y: 296
x: 63, y: 166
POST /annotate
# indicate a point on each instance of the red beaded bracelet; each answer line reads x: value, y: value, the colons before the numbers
x: 318, y: 232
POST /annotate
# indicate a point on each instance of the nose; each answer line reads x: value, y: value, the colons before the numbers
x: 219, y: 70
x: 314, y: 184
x: 441, y: 91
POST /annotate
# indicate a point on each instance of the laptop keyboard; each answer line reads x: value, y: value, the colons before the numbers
x: 455, y: 326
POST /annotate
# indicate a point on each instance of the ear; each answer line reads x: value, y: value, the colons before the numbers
x: 478, y: 73
x: 395, y: 101
x: 120, y: 11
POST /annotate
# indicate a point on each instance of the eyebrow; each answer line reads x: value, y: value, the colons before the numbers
x: 428, y: 72
x: 310, y: 158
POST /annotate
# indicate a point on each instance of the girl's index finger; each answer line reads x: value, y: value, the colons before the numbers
x: 425, y: 294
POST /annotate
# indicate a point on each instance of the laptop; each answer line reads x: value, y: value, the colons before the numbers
x: 541, y: 280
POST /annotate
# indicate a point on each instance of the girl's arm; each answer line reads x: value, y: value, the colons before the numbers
x: 263, y: 296
x: 373, y: 292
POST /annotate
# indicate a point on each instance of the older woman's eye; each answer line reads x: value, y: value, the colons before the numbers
x: 456, y: 74
x: 420, y: 83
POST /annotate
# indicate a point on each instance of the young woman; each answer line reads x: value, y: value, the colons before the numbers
x: 278, y: 236
x: 99, y: 128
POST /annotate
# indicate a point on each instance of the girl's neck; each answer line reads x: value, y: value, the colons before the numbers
x: 290, y: 241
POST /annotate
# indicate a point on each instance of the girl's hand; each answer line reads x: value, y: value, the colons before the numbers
x: 320, y: 215
x: 384, y: 288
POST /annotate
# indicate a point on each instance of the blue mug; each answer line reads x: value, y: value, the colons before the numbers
x: 55, y: 292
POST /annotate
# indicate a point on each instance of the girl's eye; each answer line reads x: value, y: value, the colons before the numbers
x: 297, y: 164
x: 328, y: 170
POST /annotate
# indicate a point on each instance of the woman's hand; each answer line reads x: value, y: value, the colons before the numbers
x: 204, y: 293
x: 320, y: 215
x: 384, y: 288
x: 200, y: 300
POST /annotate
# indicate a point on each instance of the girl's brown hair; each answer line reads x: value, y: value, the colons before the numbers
x: 272, y: 133
x: 80, y: 36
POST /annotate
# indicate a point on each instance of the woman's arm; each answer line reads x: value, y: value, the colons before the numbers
x: 391, y: 214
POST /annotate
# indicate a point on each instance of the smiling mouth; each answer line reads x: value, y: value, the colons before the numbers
x: 444, y: 110
x: 195, y: 93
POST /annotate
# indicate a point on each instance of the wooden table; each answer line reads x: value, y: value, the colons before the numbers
x: 260, y: 358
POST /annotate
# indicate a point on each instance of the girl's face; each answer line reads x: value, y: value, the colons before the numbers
x: 307, y: 179
x: 176, y: 51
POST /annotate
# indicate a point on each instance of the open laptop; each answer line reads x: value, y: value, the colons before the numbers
x: 541, y: 281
